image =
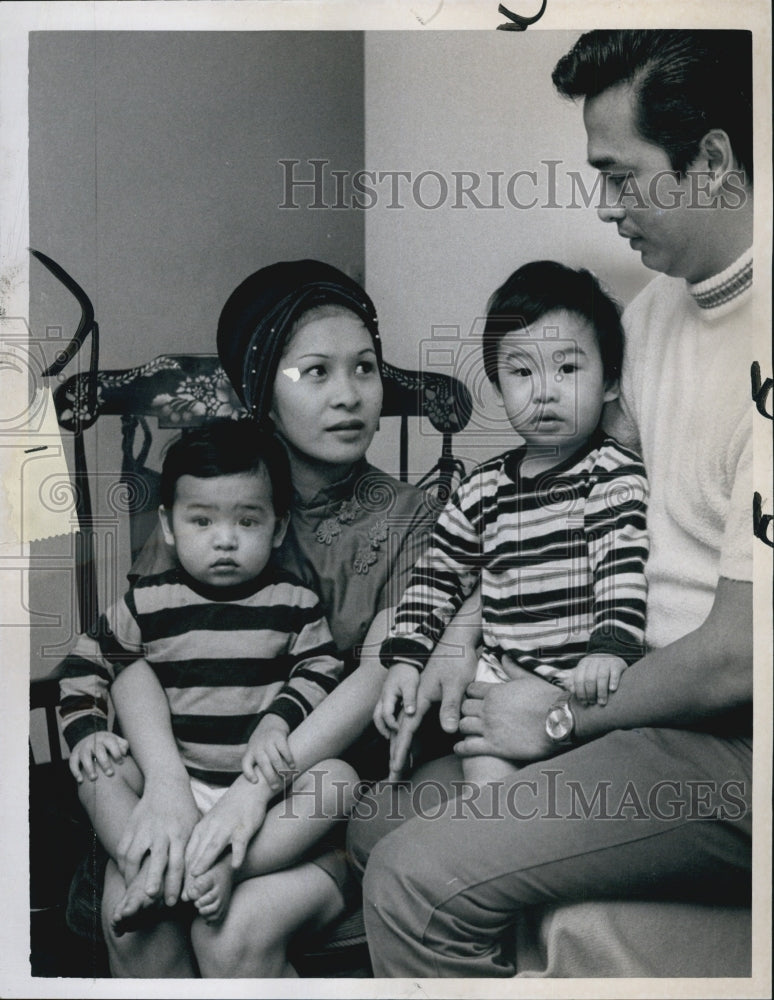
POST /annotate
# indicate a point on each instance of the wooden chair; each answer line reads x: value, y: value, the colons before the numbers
x: 169, y: 392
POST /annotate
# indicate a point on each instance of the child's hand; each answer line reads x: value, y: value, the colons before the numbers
x: 399, y: 688
x: 102, y: 747
x: 595, y: 678
x: 268, y: 752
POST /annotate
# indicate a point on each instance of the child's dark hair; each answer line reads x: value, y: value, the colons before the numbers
x: 543, y: 286
x: 223, y: 448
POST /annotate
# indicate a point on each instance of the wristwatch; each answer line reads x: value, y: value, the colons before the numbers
x: 560, y: 723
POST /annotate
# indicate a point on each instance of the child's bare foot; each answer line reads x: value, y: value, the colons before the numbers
x: 211, y: 892
x: 134, y: 908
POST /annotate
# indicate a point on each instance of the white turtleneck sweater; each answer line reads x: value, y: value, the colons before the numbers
x: 686, y: 386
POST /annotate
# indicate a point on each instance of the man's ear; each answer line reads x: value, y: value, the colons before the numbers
x: 717, y: 154
x: 165, y: 520
x: 280, y: 527
x: 612, y: 390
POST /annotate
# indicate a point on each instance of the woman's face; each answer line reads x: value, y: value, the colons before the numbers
x: 328, y: 391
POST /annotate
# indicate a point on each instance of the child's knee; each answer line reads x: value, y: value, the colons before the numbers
x: 105, y: 787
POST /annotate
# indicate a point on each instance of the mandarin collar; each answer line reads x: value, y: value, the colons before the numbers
x: 343, y: 489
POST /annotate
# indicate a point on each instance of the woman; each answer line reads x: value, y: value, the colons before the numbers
x: 300, y: 342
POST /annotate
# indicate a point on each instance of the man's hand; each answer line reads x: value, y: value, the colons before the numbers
x: 231, y: 823
x: 507, y: 720
x: 595, y: 678
x: 104, y: 748
x: 268, y: 752
x: 399, y: 689
x: 443, y: 680
x: 160, y: 825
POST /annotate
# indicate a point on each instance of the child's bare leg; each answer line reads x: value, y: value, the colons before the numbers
x: 483, y: 770
x: 160, y: 950
x: 110, y: 801
x: 265, y: 915
x: 321, y: 797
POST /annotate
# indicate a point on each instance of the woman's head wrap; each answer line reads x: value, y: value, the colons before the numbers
x: 259, y: 315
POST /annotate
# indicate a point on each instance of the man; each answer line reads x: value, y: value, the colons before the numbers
x: 669, y: 124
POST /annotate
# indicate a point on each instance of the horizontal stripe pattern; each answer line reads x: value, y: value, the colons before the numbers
x: 222, y: 664
x: 560, y: 559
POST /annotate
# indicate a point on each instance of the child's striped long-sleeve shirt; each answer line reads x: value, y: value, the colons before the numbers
x: 560, y: 558
x: 224, y: 656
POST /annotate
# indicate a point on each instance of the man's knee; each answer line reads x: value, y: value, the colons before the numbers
x: 395, y: 873
x: 380, y: 810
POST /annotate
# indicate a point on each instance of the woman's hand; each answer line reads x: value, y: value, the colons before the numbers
x: 507, y: 720
x: 159, y: 826
x: 443, y: 680
x: 231, y: 823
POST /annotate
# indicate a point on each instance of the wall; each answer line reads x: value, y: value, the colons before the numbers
x: 154, y: 179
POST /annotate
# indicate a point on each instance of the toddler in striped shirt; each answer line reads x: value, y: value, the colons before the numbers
x: 552, y: 531
x: 241, y: 648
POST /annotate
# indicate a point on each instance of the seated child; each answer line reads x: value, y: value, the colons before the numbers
x: 553, y: 531
x: 242, y: 649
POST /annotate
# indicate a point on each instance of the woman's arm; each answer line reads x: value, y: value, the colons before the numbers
x: 166, y: 814
x: 336, y: 722
x: 699, y: 677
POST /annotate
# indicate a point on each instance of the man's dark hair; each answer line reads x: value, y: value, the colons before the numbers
x: 224, y: 448
x: 541, y: 287
x: 686, y: 83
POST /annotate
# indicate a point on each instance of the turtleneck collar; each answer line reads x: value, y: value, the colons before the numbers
x: 720, y: 289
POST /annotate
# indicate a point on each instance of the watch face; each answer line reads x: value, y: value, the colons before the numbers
x: 559, y: 722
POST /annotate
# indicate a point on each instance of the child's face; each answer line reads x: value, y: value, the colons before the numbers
x: 223, y: 528
x: 552, y: 383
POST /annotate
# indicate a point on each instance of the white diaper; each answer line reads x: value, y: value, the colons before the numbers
x: 206, y: 795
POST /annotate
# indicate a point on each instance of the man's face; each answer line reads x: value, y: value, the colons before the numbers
x: 668, y: 220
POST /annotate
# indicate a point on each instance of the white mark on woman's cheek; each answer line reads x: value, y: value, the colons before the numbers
x: 292, y: 373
